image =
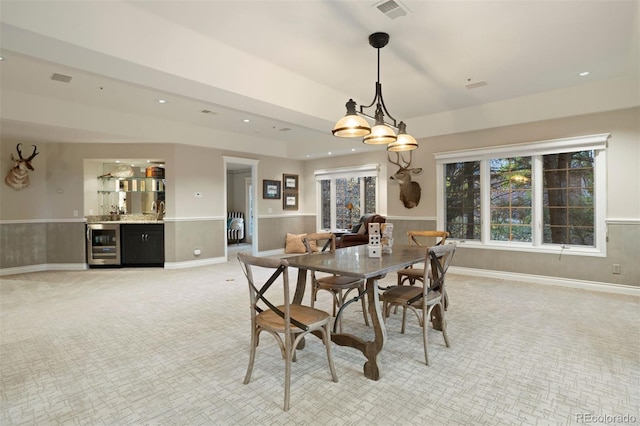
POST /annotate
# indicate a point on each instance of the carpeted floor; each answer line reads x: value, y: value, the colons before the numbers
x: 170, y: 347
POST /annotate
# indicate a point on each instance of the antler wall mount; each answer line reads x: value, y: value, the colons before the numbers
x: 18, y: 176
x: 410, y: 191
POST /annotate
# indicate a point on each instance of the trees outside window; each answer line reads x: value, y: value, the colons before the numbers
x: 510, y: 199
x: 543, y: 194
x: 463, y: 200
x: 569, y: 198
x: 345, y: 195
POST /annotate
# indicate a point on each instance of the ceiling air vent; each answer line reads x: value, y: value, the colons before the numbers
x: 61, y: 78
x: 474, y: 85
x: 206, y: 111
x: 392, y: 9
x: 284, y: 129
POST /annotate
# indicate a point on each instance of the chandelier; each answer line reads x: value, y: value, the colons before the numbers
x: 354, y: 125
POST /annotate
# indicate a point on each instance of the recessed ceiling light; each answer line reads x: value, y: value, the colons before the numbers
x: 162, y: 101
x: 353, y: 150
x: 329, y: 152
x: 1, y: 58
x: 246, y: 120
x: 117, y: 161
x: 308, y: 156
x: 584, y: 74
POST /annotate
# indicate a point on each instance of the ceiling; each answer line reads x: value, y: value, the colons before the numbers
x: 290, y: 66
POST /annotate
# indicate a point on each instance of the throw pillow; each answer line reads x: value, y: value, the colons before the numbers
x: 294, y: 244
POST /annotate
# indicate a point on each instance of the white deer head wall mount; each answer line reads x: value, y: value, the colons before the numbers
x: 18, y: 176
x: 409, y: 191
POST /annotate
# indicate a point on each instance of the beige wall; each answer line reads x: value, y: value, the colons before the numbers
x: 623, y: 195
x: 272, y: 169
x: 623, y: 157
x: 236, y: 190
x: 58, y: 184
x: 63, y: 183
x: 273, y: 230
x: 623, y: 153
x: 376, y: 157
x: 183, y: 237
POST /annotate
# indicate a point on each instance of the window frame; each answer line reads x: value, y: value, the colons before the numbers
x: 597, y: 143
x: 366, y: 170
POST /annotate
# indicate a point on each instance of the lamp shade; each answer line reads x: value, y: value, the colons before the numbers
x: 405, y: 142
x: 351, y: 125
x: 381, y: 134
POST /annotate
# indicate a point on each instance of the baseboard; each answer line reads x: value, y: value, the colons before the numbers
x: 540, y: 279
x: 44, y: 267
x: 537, y: 279
x: 194, y: 263
x: 277, y: 252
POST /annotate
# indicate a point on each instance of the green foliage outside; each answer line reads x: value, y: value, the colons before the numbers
x: 568, y: 199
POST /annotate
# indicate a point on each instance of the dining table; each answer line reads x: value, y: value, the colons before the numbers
x: 355, y: 262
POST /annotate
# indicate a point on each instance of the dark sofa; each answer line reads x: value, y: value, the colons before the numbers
x: 355, y: 238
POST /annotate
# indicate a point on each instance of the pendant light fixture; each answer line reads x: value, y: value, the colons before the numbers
x: 404, y: 142
x: 353, y: 124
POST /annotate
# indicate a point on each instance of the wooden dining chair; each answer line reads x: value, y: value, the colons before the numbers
x: 416, y: 272
x: 423, y: 300
x: 289, y: 323
x: 339, y: 286
x: 422, y: 239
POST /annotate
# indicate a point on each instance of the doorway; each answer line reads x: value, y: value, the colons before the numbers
x: 240, y: 196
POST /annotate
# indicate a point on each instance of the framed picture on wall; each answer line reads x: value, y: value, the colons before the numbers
x: 290, y: 182
x: 271, y: 189
x: 290, y: 200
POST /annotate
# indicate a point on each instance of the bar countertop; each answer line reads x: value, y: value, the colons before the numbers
x: 126, y: 219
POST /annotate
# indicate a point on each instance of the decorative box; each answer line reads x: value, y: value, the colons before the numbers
x: 386, y: 237
x: 374, y: 250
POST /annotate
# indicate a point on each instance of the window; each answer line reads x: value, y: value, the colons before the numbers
x: 345, y: 194
x: 541, y: 196
x: 568, y: 198
x: 510, y: 199
x: 463, y: 200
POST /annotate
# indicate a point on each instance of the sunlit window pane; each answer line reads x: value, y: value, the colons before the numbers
x: 510, y: 199
x: 350, y: 198
x: 325, y: 204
